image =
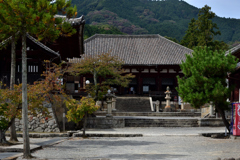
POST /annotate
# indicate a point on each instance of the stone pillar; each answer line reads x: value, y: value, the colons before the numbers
x: 211, y: 109
x: 109, y: 107
x: 113, y: 103
x: 182, y: 105
x: 157, y: 105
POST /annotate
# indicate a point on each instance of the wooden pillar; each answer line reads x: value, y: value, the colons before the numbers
x: 119, y: 90
x: 160, y: 83
x: 140, y: 85
x: 157, y: 83
x: 176, y: 82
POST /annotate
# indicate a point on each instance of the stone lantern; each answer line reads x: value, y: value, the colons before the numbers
x: 109, y: 97
x: 168, y: 97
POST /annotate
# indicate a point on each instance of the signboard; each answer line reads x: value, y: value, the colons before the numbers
x: 236, y: 123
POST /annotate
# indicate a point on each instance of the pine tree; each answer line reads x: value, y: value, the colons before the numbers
x: 37, y: 18
x: 204, y: 80
x: 190, y: 38
x: 9, y: 31
x: 206, y: 27
x: 201, y: 32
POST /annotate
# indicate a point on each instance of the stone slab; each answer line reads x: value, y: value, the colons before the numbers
x: 107, y: 135
x: 235, y: 137
x: 18, y: 148
x: 9, y: 155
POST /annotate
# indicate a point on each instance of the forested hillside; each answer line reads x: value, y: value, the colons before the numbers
x: 167, y: 18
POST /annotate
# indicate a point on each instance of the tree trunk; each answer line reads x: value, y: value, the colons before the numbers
x: 26, y: 144
x: 222, y: 113
x: 13, y: 135
x: 84, y: 124
x: 3, y: 140
x: 3, y: 137
x: 95, y: 84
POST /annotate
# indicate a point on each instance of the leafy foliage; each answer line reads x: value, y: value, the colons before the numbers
x: 78, y: 109
x: 104, y: 65
x: 39, y: 92
x: 204, y: 80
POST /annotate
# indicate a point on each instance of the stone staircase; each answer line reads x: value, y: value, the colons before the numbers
x: 143, y: 122
x: 133, y: 104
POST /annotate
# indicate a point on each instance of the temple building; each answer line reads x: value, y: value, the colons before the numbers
x: 234, y: 78
x: 37, y: 52
x: 153, y: 59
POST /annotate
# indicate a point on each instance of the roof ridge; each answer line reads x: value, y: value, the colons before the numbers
x: 232, y: 50
x: 73, y: 21
x: 5, y: 41
x: 42, y: 45
x: 175, y: 43
x: 120, y: 35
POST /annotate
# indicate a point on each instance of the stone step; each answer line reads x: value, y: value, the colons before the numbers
x: 161, y: 122
x: 133, y: 104
x: 152, y: 114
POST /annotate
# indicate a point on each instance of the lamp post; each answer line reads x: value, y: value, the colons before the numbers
x: 87, y: 83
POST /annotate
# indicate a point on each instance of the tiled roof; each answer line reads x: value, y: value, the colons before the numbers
x: 34, y: 41
x: 233, y: 50
x: 137, y: 49
x: 73, y: 21
x: 5, y: 41
x: 42, y: 45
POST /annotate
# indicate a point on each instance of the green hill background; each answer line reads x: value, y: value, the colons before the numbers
x: 167, y: 17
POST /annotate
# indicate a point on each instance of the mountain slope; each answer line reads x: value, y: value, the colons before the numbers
x: 167, y: 18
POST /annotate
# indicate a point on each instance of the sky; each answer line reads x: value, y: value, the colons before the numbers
x: 222, y: 8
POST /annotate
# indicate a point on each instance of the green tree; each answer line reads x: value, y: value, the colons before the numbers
x: 201, y: 32
x: 9, y: 33
x: 206, y: 28
x: 204, y: 79
x: 39, y: 92
x: 37, y: 18
x: 79, y: 109
x: 190, y: 38
x: 104, y: 65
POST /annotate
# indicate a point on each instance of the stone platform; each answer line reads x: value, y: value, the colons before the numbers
x: 103, y: 122
x: 152, y: 114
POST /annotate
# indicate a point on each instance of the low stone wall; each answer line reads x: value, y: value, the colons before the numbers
x: 40, y: 123
x: 105, y: 122
x: 212, y: 122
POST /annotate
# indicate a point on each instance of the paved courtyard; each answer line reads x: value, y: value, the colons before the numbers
x: 173, y: 143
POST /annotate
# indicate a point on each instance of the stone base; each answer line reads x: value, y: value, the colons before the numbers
x: 109, y: 115
x: 234, y: 137
x: 168, y: 109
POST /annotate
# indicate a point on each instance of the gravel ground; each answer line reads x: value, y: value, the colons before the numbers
x: 153, y: 147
